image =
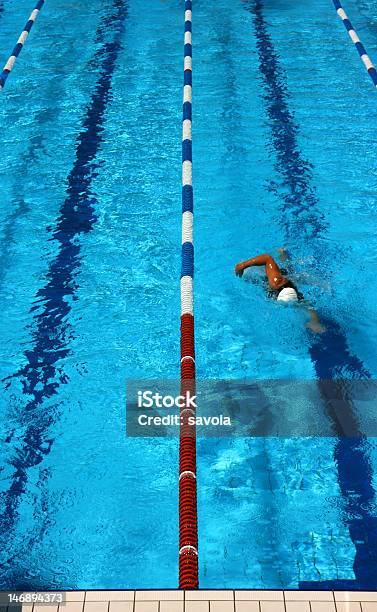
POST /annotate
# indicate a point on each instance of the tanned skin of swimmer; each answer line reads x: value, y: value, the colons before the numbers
x: 277, y: 280
x: 273, y: 272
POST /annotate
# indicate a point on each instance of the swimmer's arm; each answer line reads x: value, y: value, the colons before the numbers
x: 314, y: 324
x: 284, y: 255
x: 261, y: 260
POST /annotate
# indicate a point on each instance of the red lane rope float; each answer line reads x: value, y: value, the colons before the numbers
x: 188, y: 519
x: 188, y: 523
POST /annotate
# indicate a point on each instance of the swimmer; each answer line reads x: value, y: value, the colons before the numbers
x: 281, y: 287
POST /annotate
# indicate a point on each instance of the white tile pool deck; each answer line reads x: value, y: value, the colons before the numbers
x: 213, y: 601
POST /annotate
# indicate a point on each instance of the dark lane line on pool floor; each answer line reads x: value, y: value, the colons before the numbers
x: 298, y: 195
x: 41, y: 376
x: 330, y: 352
x: 37, y: 144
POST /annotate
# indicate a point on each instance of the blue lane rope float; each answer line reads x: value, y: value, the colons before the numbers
x: 20, y: 43
x: 357, y: 42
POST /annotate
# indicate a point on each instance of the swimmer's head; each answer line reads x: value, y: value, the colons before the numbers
x: 287, y: 294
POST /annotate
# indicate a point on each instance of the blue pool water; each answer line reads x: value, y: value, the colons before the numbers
x: 284, y: 154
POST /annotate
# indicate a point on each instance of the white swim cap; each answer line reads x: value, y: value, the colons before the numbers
x: 288, y: 294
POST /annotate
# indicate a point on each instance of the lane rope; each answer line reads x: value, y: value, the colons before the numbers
x: 357, y: 42
x: 188, y: 520
x: 20, y: 43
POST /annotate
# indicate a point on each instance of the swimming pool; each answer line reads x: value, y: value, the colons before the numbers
x: 284, y: 155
